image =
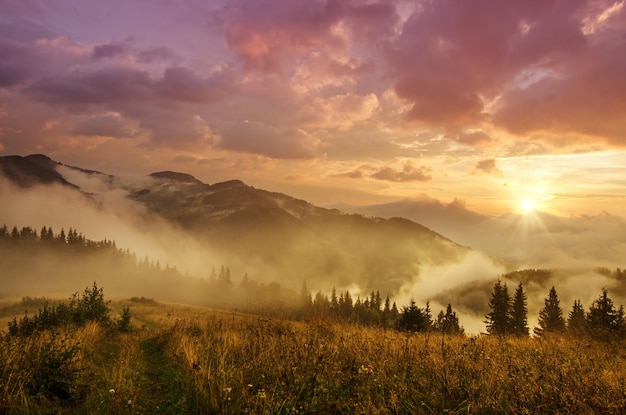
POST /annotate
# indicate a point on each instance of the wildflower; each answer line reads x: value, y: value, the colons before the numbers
x: 366, y: 370
x: 112, y: 391
x: 261, y: 394
x: 130, y: 402
x: 228, y: 390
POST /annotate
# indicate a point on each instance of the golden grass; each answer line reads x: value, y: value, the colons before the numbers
x: 195, y: 360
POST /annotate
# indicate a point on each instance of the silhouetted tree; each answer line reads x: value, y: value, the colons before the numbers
x: 306, y: 301
x: 551, y: 315
x: 61, y: 237
x: 412, y: 318
x: 449, y: 322
x: 223, y: 279
x: 576, y: 321
x: 602, y: 316
x: 518, y: 318
x: 497, y: 320
x: 334, y: 303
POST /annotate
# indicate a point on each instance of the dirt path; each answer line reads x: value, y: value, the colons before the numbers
x: 164, y: 387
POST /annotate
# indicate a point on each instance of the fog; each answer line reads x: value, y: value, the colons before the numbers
x: 533, y: 240
x: 357, y: 254
x: 106, y: 213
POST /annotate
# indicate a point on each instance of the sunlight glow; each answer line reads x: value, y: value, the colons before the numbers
x: 528, y: 205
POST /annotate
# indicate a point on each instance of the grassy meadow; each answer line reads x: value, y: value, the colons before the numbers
x: 184, y: 360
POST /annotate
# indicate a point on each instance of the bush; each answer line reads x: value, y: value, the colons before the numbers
x: 80, y: 309
x: 123, y: 324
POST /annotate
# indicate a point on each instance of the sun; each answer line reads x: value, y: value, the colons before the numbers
x: 528, y: 206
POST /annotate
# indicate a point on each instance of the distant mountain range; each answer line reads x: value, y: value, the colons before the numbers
x: 269, y: 235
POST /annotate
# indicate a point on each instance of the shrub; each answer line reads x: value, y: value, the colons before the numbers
x: 91, y: 306
x: 123, y: 324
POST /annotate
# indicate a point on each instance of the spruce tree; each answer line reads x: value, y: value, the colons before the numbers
x: 448, y: 322
x: 551, y: 316
x: 412, y: 318
x: 518, y: 318
x: 497, y: 320
x: 602, y: 316
x: 576, y: 322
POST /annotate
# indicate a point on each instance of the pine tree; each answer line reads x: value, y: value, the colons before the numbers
x: 551, y: 316
x: 497, y: 320
x: 449, y: 322
x: 306, y: 300
x: 518, y: 318
x: 602, y: 316
x: 576, y: 322
x: 428, y: 318
x: 412, y: 318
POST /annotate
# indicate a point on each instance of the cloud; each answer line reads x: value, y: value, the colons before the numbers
x: 108, y: 87
x: 488, y: 166
x: 452, y: 59
x: 354, y: 174
x: 104, y: 125
x: 408, y: 173
x: 259, y: 138
x: 109, y: 50
x: 267, y: 34
x: 473, y: 138
x: 156, y: 54
x: 340, y: 111
x: 347, y: 80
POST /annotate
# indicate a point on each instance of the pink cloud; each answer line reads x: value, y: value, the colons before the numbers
x: 452, y: 56
x: 268, y: 34
x: 109, y: 50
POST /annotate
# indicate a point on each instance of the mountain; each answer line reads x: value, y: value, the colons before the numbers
x: 454, y: 219
x: 270, y: 236
x: 535, y: 239
x: 31, y: 170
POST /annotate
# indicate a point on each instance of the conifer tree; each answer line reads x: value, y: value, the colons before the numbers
x: 412, y: 318
x: 334, y: 303
x: 497, y: 320
x: 602, y: 316
x: 576, y: 322
x: 518, y: 319
x: 306, y: 300
x: 449, y: 322
x: 551, y: 315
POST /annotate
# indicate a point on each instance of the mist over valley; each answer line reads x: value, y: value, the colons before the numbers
x: 192, y: 230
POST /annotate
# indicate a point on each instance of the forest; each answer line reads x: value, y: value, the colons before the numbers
x: 508, y: 314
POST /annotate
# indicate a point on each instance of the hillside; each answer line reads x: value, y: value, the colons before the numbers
x: 268, y: 235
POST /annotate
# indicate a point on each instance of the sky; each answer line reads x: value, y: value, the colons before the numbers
x: 503, y: 105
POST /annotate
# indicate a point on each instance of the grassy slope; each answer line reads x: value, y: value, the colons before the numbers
x: 184, y: 360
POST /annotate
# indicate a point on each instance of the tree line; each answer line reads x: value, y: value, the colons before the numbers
x: 47, y: 235
x: 509, y: 315
x: 373, y: 311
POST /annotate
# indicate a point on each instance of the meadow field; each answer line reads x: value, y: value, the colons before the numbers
x: 176, y: 359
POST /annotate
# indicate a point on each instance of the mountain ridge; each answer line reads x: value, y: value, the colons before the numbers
x: 275, y: 236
